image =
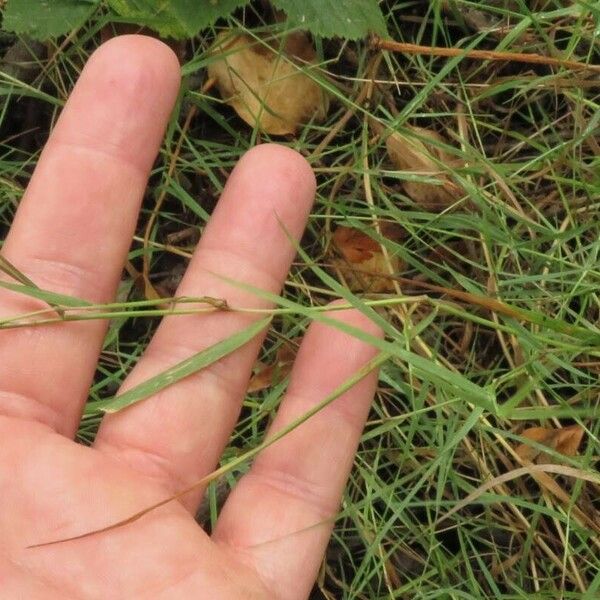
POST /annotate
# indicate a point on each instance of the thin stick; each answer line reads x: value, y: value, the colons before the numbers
x: 523, y: 57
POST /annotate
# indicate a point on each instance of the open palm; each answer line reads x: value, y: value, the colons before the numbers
x: 71, y: 235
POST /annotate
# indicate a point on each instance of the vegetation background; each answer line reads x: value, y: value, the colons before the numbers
x: 458, y: 204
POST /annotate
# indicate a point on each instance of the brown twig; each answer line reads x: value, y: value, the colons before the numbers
x: 522, y: 57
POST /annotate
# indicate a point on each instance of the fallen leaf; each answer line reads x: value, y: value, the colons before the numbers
x: 266, y: 88
x: 362, y: 263
x: 411, y: 154
x: 267, y: 375
x: 565, y: 441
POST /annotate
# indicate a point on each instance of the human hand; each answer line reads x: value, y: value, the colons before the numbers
x: 71, y: 235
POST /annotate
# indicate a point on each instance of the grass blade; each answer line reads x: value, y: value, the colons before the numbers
x: 184, y: 369
x: 51, y: 298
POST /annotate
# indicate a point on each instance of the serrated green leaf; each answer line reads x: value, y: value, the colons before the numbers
x: 175, y: 18
x: 44, y: 19
x: 350, y: 19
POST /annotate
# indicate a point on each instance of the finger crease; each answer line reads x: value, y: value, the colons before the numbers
x: 114, y: 154
x: 147, y: 462
x: 252, y: 271
x: 65, y: 277
x: 308, y: 492
x: 28, y: 408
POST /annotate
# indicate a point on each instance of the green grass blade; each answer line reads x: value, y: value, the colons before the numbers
x: 184, y: 369
x: 52, y: 298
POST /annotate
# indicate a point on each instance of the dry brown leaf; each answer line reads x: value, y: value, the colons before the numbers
x: 267, y: 375
x: 363, y: 265
x: 566, y: 441
x: 410, y: 154
x: 266, y: 89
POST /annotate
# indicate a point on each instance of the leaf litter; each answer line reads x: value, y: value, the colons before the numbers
x: 565, y: 440
x: 267, y: 375
x: 420, y: 151
x: 268, y: 89
x: 362, y: 263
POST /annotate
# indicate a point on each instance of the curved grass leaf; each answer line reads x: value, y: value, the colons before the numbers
x: 51, y: 298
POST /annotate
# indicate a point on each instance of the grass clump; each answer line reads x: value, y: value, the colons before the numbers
x: 492, y: 323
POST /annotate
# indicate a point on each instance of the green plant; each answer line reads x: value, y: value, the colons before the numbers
x: 180, y: 19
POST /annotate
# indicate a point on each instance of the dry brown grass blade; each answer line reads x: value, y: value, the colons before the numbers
x: 483, y: 301
x: 149, y: 290
x: 354, y: 105
x: 549, y: 484
x: 515, y: 474
x: 138, y: 515
x: 493, y: 55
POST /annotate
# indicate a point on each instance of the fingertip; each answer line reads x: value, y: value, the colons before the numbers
x: 282, y: 162
x: 136, y: 46
x: 140, y: 53
x: 268, y: 197
x: 122, y: 101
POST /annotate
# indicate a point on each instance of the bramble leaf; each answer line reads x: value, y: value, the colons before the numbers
x: 42, y: 19
x: 349, y: 19
x: 175, y: 18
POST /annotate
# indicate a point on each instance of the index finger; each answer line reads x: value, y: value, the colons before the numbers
x: 75, y: 222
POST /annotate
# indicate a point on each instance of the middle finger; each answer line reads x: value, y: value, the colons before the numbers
x: 177, y: 436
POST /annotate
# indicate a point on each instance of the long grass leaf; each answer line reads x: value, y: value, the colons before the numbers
x: 181, y: 370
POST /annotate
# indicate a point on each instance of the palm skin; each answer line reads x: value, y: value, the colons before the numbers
x: 71, y: 235
x: 164, y: 555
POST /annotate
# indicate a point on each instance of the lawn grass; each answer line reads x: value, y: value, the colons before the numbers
x: 462, y: 382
